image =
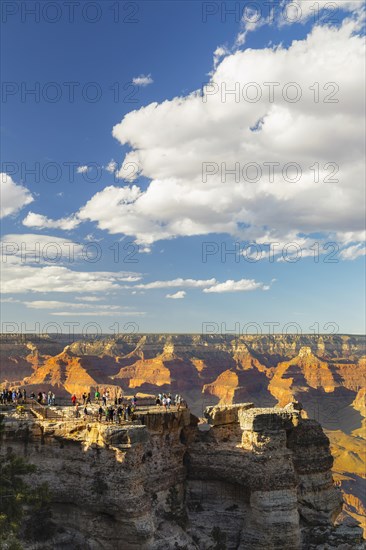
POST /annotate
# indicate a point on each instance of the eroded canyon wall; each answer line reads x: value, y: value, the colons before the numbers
x: 257, y: 479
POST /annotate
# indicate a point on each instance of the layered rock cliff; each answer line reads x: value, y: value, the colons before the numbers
x: 253, y: 479
x: 325, y: 372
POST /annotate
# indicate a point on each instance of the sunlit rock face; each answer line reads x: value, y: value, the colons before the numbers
x: 327, y: 373
x: 258, y: 478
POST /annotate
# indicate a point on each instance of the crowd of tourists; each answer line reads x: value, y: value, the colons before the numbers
x: 117, y: 409
x: 13, y: 396
x: 20, y: 397
x: 166, y: 400
x: 113, y: 410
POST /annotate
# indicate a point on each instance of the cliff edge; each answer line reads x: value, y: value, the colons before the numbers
x: 254, y: 478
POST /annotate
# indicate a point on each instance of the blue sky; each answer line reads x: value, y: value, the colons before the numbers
x: 162, y: 220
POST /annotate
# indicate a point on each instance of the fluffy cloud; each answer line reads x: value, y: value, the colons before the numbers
x: 42, y: 222
x: 33, y: 248
x: 82, y: 169
x: 177, y: 295
x: 113, y: 201
x: 111, y: 166
x: 13, y: 196
x: 19, y: 278
x: 244, y: 285
x: 142, y: 80
x: 202, y: 152
x: 26, y: 260
x: 353, y: 252
x: 301, y: 11
x: 208, y: 285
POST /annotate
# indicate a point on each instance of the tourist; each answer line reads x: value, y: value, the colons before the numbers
x: 53, y: 399
x: 127, y: 412
x: 100, y: 413
x: 164, y: 402
x: 76, y: 410
x: 73, y: 399
x: 110, y: 414
x: 104, y: 399
x: 49, y: 398
x: 97, y: 395
x: 168, y: 402
x: 88, y: 399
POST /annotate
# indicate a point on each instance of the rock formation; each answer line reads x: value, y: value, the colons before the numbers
x: 258, y: 478
x: 325, y: 372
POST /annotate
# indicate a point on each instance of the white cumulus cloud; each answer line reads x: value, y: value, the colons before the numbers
x: 177, y: 295
x: 111, y: 166
x: 13, y: 196
x: 82, y: 169
x: 142, y: 80
x: 43, y: 222
x: 24, y: 278
x: 302, y: 10
x: 244, y: 285
x: 196, y: 149
x: 33, y: 248
x: 353, y: 252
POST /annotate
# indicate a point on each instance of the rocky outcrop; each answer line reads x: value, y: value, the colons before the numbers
x: 274, y: 476
x: 325, y: 372
x: 257, y: 479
